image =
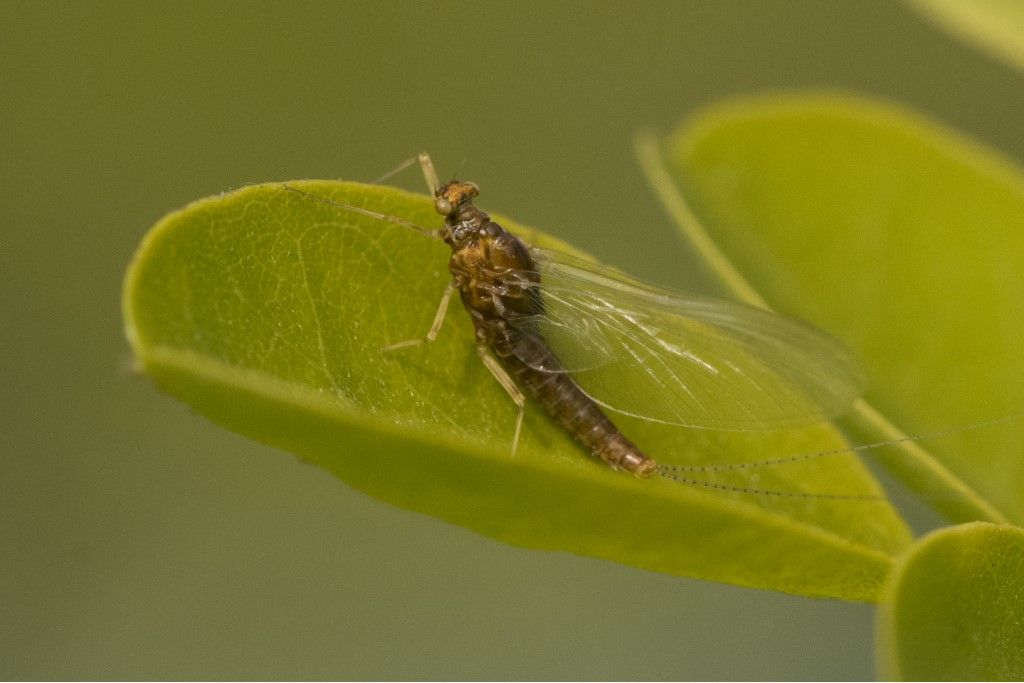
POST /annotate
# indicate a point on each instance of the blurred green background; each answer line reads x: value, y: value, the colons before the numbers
x: 140, y: 541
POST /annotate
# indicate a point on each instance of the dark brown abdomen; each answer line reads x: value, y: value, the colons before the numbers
x: 563, y: 399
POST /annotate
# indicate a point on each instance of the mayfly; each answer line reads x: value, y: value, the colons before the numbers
x: 565, y: 332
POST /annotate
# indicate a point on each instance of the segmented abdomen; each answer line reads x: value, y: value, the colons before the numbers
x: 522, y: 353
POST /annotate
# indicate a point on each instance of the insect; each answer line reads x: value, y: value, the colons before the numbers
x: 563, y: 331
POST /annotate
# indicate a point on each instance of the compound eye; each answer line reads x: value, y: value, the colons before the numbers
x: 474, y: 187
x: 443, y: 206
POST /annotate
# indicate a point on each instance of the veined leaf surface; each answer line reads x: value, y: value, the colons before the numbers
x: 268, y: 312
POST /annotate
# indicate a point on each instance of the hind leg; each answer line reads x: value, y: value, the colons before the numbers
x: 509, y: 385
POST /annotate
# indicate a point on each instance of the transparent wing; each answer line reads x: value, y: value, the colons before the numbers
x: 673, y: 358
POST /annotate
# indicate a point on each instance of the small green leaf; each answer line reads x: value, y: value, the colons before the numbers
x: 901, y: 238
x: 996, y: 26
x: 268, y: 311
x: 955, y: 609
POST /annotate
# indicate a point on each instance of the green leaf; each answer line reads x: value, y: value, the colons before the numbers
x: 954, y: 609
x: 901, y: 238
x: 996, y: 26
x: 268, y: 311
